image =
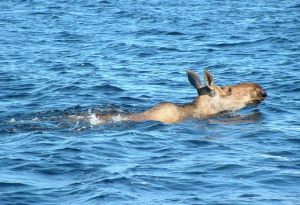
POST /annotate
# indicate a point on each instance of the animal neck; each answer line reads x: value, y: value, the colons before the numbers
x: 202, y: 106
x: 188, y: 109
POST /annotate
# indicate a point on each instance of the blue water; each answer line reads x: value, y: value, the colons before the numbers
x: 83, y: 57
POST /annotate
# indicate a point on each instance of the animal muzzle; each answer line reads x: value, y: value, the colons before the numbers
x: 262, y: 95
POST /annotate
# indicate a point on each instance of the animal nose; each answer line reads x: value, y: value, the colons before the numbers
x: 263, y: 93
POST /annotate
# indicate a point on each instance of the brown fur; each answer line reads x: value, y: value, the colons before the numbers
x: 212, y: 99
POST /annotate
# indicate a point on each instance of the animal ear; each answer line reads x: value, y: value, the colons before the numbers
x: 209, y: 82
x: 194, y: 80
x: 208, y: 78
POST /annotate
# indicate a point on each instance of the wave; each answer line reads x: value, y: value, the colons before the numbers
x: 69, y: 88
x: 158, y: 32
x: 12, y: 185
x: 107, y: 88
x: 174, y: 33
x: 248, y: 43
x: 169, y: 49
x: 296, y: 6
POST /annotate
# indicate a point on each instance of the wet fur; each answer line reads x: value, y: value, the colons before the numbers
x: 211, y: 100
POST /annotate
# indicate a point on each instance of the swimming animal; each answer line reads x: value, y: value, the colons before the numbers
x: 211, y: 100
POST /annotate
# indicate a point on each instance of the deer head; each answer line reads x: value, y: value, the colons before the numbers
x: 213, y: 99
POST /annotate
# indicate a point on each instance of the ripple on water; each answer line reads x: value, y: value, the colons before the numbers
x: 62, y: 59
x: 107, y: 88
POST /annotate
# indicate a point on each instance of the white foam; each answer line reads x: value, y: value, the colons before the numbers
x: 12, y: 120
x: 35, y: 119
x: 75, y: 117
x: 118, y: 118
x: 94, y: 120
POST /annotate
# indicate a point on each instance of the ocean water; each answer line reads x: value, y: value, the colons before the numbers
x: 60, y: 57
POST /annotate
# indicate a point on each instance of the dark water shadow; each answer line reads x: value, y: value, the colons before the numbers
x: 237, y: 118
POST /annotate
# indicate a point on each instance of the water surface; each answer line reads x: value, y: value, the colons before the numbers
x: 84, y: 57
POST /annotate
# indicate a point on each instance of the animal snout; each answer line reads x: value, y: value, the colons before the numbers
x: 263, y: 93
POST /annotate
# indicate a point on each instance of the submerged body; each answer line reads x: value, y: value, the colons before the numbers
x: 205, y: 105
x: 211, y: 100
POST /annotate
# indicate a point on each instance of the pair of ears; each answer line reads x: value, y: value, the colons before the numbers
x: 196, y: 82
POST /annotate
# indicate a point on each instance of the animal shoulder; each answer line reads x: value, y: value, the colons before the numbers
x: 165, y: 112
